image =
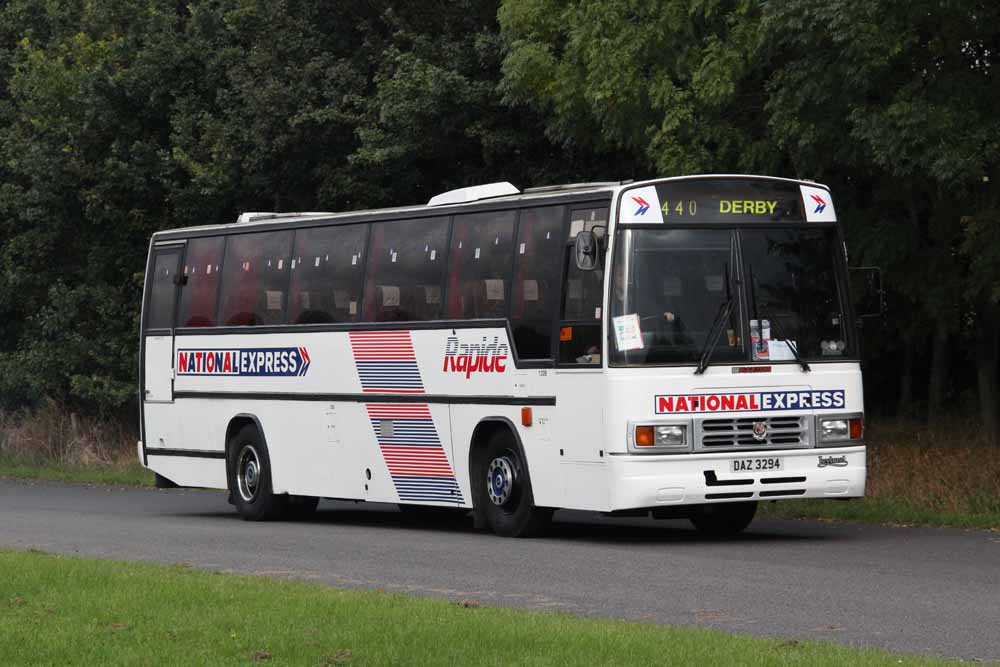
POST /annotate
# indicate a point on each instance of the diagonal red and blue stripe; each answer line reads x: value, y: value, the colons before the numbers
x: 413, y: 453
x: 386, y: 362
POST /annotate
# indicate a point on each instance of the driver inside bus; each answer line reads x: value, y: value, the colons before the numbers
x: 667, y: 317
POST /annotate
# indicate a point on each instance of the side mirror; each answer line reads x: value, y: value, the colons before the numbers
x: 866, y: 290
x: 586, y: 248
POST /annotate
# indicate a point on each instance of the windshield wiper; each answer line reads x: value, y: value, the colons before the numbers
x: 713, y: 336
x: 789, y: 343
x: 774, y: 323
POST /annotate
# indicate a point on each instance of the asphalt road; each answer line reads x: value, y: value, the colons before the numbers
x: 914, y: 590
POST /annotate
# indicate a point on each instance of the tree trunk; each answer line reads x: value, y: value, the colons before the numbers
x: 940, y: 357
x: 988, y: 365
x: 905, y: 406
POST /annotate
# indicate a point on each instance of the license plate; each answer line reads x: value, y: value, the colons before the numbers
x: 753, y: 465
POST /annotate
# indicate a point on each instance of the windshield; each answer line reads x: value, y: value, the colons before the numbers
x: 792, y: 290
x: 670, y: 286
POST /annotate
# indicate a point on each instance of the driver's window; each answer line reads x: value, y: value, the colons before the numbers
x: 672, y: 286
x: 580, y: 327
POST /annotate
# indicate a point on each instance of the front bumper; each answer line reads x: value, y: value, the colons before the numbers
x: 640, y: 481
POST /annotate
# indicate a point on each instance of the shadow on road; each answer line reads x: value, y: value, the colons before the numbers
x: 567, y: 525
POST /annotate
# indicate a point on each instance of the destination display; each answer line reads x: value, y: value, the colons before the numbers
x: 725, y: 200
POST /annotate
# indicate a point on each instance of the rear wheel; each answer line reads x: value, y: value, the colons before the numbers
x: 249, y: 472
x: 502, y: 490
x: 724, y: 519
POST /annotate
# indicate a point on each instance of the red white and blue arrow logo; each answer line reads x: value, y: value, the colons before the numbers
x: 643, y: 205
x: 820, y: 203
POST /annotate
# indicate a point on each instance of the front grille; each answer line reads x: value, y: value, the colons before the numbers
x: 782, y: 432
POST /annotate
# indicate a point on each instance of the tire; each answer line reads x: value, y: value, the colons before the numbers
x: 501, y: 490
x: 249, y: 472
x: 724, y: 519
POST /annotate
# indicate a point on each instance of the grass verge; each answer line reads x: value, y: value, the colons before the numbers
x: 72, y: 611
x: 120, y: 475
x: 53, y: 443
x: 876, y: 510
x: 943, y: 474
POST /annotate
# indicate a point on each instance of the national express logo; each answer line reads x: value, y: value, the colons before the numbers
x: 469, y: 358
x: 252, y: 362
x: 820, y: 203
x: 758, y: 401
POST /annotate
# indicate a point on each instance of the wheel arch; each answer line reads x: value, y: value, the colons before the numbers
x: 487, y: 428
x: 237, y: 422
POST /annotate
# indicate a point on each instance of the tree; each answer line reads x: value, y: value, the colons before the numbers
x: 124, y: 117
x: 894, y: 106
x: 911, y: 96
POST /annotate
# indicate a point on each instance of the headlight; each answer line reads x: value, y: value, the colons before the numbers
x: 671, y: 436
x: 834, y: 429
x: 666, y: 436
x: 840, y: 429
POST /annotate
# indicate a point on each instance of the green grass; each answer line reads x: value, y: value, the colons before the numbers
x: 130, y: 475
x: 72, y: 611
x: 878, y: 510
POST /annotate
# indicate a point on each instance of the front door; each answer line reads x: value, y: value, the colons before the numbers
x: 158, y: 331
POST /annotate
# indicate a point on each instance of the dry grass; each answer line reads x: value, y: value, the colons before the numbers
x: 943, y: 474
x: 55, y: 436
x: 949, y: 466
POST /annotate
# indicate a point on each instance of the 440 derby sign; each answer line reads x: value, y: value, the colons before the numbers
x: 246, y: 362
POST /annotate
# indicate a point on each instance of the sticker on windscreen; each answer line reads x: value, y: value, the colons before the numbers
x: 628, y: 334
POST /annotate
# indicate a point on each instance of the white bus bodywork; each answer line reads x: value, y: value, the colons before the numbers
x: 334, y: 428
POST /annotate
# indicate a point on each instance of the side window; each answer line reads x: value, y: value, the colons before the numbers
x: 535, y: 290
x: 199, y: 295
x: 255, y: 278
x: 405, y: 268
x: 327, y: 271
x: 580, y: 333
x: 479, y: 263
x: 163, y: 290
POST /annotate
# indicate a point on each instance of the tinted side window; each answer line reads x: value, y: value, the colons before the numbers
x: 405, y: 266
x: 479, y: 263
x: 580, y: 333
x: 327, y: 271
x: 255, y: 278
x: 200, y: 293
x: 535, y: 293
x: 163, y: 290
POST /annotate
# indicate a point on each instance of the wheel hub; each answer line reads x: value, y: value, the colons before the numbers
x: 500, y: 480
x: 248, y: 473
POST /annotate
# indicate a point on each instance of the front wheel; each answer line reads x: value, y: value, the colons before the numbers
x: 502, y: 490
x: 724, y: 519
x: 249, y: 472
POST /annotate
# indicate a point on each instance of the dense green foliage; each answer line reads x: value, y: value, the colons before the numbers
x: 895, y: 106
x: 121, y: 117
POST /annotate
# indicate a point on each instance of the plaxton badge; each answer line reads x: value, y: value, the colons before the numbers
x: 758, y: 401
x: 837, y: 461
x: 246, y: 362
